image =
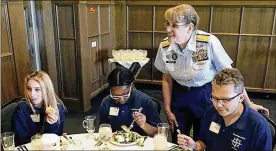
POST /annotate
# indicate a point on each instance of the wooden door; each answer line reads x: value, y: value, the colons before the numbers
x: 67, y: 52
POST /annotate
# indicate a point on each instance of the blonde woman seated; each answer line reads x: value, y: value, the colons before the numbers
x: 40, y: 112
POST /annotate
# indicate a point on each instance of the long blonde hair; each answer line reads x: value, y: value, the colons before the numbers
x: 49, y: 96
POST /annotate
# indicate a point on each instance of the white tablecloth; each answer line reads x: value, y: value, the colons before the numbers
x: 88, y: 144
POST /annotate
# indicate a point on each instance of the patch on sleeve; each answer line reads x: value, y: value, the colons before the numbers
x: 165, y: 43
x: 202, y: 38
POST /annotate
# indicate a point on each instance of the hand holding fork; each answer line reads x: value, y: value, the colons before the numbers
x: 184, y: 140
x: 132, y: 123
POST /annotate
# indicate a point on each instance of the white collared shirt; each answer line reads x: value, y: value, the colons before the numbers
x: 184, y: 69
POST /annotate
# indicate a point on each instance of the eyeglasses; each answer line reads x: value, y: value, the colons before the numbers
x: 223, y: 101
x: 173, y: 25
x: 117, y: 97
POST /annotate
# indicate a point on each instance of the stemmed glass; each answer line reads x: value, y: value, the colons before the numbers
x: 89, y: 124
x: 105, y: 133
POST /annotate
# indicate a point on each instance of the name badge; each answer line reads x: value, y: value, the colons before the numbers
x: 35, y: 117
x: 114, y: 111
x: 214, y: 127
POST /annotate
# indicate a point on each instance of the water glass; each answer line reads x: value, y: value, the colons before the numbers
x: 163, y: 128
x: 105, y: 133
x: 7, y: 140
x: 89, y: 124
x: 36, y: 142
x: 160, y: 142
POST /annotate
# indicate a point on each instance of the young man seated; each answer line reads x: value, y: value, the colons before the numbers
x: 122, y: 106
x: 230, y: 124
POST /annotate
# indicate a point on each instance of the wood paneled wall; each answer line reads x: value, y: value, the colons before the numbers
x: 14, y: 52
x: 84, y: 40
x: 246, y: 29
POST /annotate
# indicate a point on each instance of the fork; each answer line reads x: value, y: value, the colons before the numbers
x: 132, y: 123
x: 185, y: 145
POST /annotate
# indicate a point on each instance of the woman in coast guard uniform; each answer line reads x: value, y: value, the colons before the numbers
x: 189, y: 59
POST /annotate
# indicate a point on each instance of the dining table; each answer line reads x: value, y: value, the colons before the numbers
x: 85, y: 143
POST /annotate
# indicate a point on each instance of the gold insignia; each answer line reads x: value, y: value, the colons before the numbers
x: 165, y: 43
x: 202, y: 38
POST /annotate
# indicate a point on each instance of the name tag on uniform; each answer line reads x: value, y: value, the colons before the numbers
x: 35, y: 117
x: 114, y: 111
x: 214, y: 127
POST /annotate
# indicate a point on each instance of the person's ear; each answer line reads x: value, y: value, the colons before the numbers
x: 191, y: 27
x: 241, y: 97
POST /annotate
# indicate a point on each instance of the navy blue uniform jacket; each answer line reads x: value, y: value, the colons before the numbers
x: 136, y: 100
x: 24, y: 127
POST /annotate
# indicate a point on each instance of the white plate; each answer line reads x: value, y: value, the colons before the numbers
x: 124, y: 144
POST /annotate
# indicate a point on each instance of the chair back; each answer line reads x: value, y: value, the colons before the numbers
x: 272, y: 126
x: 7, y: 113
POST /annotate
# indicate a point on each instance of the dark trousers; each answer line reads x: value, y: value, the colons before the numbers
x: 186, y: 120
x: 189, y: 106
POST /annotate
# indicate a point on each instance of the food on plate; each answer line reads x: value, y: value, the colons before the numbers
x: 50, y: 110
x: 126, y: 137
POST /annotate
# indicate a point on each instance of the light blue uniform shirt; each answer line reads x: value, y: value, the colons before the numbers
x: 182, y: 67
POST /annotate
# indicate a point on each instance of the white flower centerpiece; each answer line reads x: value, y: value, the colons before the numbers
x: 133, y: 55
x: 128, y: 56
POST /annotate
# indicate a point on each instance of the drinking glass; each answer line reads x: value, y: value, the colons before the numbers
x: 89, y: 124
x: 105, y: 133
x: 160, y: 142
x: 163, y: 128
x: 36, y: 142
x: 7, y: 140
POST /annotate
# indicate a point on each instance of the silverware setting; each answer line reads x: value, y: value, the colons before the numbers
x: 70, y: 139
x: 99, y: 142
x: 142, y: 145
x: 173, y: 147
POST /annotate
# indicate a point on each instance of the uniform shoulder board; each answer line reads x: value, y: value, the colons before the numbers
x: 165, y: 43
x: 202, y: 38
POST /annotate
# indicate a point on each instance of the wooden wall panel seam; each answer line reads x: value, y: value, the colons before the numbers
x: 269, y: 51
x: 239, y: 37
x: 211, y: 19
x: 153, y: 39
x: 127, y: 24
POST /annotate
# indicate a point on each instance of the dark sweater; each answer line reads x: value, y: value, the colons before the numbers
x: 24, y: 127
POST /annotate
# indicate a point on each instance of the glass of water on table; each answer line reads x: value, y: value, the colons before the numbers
x: 105, y: 133
x: 7, y: 140
x: 89, y: 124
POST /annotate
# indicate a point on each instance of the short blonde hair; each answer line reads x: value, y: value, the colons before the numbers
x: 48, y: 93
x: 230, y: 76
x: 182, y: 13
